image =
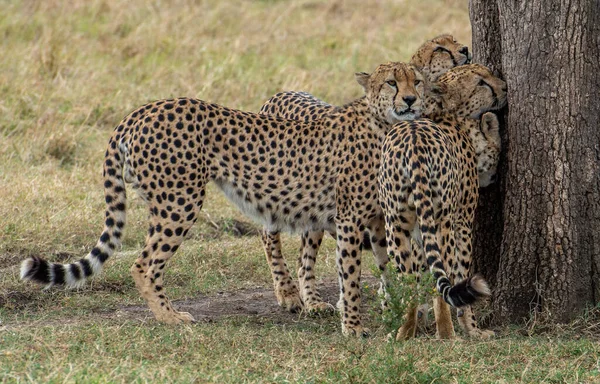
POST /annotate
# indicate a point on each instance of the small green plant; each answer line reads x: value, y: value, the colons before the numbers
x: 401, y: 290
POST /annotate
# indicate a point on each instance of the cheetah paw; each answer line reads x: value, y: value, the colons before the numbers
x: 355, y: 330
x: 318, y: 308
x: 291, y: 302
x: 177, y: 318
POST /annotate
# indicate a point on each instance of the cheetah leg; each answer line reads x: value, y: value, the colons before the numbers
x: 423, y: 309
x: 400, y: 252
x: 443, y: 319
x: 311, y: 241
x: 398, y: 227
x: 408, y: 330
x: 466, y: 319
x: 398, y: 239
x: 286, y: 291
x: 139, y: 268
x: 348, y: 239
x: 460, y: 270
x: 379, y: 247
x: 441, y: 310
x: 163, y: 239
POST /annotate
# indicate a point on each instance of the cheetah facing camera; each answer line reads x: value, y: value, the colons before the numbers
x: 432, y: 58
x: 288, y: 175
x: 428, y: 186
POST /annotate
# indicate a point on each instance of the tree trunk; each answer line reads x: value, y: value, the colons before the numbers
x: 489, y: 223
x: 543, y: 238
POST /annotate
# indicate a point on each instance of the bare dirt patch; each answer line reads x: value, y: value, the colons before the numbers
x: 256, y: 302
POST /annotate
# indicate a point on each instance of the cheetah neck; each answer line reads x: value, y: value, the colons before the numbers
x: 370, y: 120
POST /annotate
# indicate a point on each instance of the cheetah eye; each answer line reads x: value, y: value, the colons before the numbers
x: 482, y: 83
x: 441, y: 49
x: 391, y: 83
x: 417, y: 82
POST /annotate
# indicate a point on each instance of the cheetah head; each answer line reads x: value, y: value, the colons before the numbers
x: 394, y: 92
x: 436, y: 56
x: 467, y: 91
x: 486, y: 141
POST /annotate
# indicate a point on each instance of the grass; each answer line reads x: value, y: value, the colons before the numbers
x: 71, y: 70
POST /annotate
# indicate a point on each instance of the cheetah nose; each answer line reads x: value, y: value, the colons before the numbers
x: 464, y: 51
x: 409, y: 100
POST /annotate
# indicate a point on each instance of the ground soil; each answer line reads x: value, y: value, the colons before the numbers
x: 256, y: 302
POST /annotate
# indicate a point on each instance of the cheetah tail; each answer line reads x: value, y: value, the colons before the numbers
x: 463, y: 293
x: 75, y: 274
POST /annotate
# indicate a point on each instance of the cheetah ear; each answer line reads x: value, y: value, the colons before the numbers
x: 490, y: 124
x: 437, y: 89
x: 490, y: 127
x: 363, y: 79
x: 444, y: 93
x: 435, y: 92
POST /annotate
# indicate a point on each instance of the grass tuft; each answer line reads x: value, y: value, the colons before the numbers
x: 401, y: 290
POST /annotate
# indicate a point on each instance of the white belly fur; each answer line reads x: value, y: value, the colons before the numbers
x: 266, y: 218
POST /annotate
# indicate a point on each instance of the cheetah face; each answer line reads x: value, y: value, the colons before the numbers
x: 394, y: 92
x: 470, y: 90
x: 436, y: 56
x: 486, y: 141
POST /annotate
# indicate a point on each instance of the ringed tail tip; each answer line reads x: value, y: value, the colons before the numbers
x: 36, y: 269
x: 468, y: 291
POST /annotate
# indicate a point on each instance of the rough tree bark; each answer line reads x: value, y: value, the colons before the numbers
x: 489, y: 222
x: 538, y: 231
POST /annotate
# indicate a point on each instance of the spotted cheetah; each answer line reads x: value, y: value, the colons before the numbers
x: 432, y: 58
x: 286, y: 174
x: 428, y: 184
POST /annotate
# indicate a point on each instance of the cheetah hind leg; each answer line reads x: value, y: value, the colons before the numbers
x: 408, y: 330
x: 378, y: 243
x: 313, y: 303
x: 285, y: 289
x: 443, y: 319
x: 164, y: 238
x: 467, y: 321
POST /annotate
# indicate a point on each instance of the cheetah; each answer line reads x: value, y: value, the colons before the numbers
x: 432, y: 58
x: 428, y: 186
x: 286, y: 174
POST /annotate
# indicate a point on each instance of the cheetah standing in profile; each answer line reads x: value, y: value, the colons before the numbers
x: 286, y: 174
x: 428, y: 185
x: 432, y: 59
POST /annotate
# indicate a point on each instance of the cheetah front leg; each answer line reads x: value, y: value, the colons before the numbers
x: 348, y: 254
x: 460, y: 271
x: 286, y: 291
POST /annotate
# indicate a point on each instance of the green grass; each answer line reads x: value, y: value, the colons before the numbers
x: 246, y: 350
x: 71, y: 70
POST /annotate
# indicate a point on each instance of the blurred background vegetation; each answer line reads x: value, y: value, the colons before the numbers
x: 70, y: 70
